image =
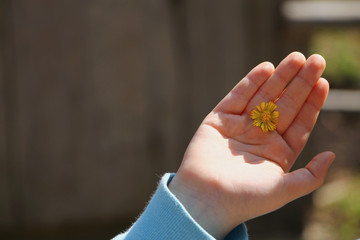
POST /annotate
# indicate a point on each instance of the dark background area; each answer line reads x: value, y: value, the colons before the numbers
x: 100, y: 98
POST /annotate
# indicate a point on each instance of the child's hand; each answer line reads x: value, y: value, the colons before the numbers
x: 232, y: 171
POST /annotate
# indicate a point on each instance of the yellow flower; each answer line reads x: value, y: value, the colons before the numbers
x: 265, y: 116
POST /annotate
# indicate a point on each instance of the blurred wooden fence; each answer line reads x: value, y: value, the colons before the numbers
x: 99, y: 98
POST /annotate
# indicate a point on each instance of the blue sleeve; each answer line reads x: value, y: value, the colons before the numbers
x: 166, y: 218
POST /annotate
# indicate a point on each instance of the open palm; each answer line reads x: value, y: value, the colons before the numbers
x: 233, y: 171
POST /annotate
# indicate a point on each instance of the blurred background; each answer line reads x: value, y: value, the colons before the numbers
x: 100, y: 98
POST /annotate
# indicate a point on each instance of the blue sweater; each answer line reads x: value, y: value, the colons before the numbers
x: 166, y: 218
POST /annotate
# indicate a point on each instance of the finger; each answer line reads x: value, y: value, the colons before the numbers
x: 305, y: 180
x: 292, y: 100
x: 237, y: 99
x: 274, y: 86
x: 299, y: 131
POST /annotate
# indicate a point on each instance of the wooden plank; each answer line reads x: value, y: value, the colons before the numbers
x: 7, y: 73
x: 184, y: 126
x: 159, y: 87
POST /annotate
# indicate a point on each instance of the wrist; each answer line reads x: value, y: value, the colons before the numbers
x: 200, y: 206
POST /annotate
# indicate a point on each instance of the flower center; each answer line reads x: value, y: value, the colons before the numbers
x: 266, y: 116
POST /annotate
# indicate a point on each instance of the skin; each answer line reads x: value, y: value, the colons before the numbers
x: 232, y: 171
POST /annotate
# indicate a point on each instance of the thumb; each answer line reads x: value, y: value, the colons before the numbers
x: 305, y: 180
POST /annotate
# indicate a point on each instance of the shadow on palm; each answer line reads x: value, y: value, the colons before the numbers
x: 251, y: 142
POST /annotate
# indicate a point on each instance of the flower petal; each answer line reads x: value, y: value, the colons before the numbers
x: 263, y: 106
